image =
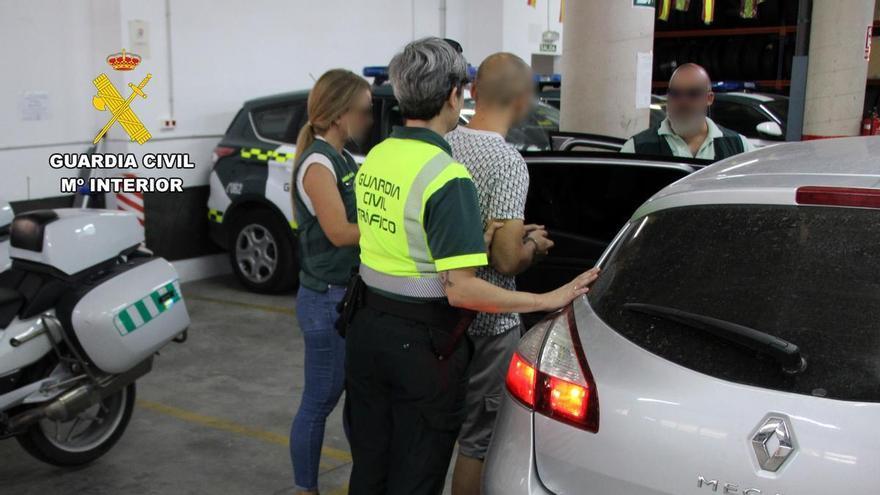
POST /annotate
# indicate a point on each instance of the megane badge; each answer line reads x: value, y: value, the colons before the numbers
x: 773, y: 443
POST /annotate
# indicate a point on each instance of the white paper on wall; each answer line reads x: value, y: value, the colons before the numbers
x: 139, y: 37
x: 644, y: 63
x: 34, y: 105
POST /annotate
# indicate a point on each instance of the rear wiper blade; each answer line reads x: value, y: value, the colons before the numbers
x: 784, y: 352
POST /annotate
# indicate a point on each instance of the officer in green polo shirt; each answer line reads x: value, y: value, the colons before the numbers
x: 421, y: 241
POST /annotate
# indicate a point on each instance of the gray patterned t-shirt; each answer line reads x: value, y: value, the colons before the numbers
x: 502, y: 179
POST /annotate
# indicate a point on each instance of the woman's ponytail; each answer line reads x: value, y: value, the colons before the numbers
x: 305, y: 139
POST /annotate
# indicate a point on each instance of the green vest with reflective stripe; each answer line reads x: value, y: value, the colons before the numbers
x: 321, y: 263
x: 393, y: 186
x: 649, y: 142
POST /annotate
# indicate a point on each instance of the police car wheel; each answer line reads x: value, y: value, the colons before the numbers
x: 262, y: 253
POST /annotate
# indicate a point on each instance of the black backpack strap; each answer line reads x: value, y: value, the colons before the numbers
x: 648, y: 142
x: 728, y: 145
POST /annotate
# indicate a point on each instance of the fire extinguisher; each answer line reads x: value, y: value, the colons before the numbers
x: 871, y: 124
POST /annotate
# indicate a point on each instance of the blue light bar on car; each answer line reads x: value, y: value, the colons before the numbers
x: 548, y: 78
x: 722, y: 86
x: 380, y: 72
x: 376, y: 71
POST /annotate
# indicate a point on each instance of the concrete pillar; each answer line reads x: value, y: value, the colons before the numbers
x: 837, y: 68
x: 599, y: 66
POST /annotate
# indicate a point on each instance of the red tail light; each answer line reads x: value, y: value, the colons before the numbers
x: 549, y: 374
x: 521, y: 380
x: 221, y: 151
x: 567, y: 399
x: 838, y: 196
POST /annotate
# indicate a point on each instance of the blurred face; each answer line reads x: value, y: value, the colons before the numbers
x: 522, y: 105
x: 358, y: 120
x: 688, y: 102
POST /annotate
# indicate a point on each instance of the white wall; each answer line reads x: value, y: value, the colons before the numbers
x: 523, y: 25
x: 487, y: 26
x: 223, y: 52
x: 45, y: 47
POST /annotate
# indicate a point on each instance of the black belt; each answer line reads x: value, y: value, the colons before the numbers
x: 437, y: 315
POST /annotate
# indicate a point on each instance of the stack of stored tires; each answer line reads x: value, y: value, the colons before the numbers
x: 742, y: 57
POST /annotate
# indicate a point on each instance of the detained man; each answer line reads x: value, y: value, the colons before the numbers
x: 687, y: 131
x: 503, y: 91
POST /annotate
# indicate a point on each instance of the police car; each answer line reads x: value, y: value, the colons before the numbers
x: 250, y: 211
x: 761, y: 117
x: 549, y: 92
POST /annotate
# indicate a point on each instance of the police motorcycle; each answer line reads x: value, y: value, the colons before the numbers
x: 83, y: 309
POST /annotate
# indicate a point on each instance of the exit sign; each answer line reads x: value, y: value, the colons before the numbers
x: 643, y: 3
x: 548, y: 47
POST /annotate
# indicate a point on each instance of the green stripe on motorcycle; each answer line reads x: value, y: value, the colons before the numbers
x: 139, y: 313
x: 143, y: 311
x: 127, y: 323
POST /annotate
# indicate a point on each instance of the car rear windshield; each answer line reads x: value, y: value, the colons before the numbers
x: 809, y: 275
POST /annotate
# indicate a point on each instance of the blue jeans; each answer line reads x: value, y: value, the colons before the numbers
x: 324, y: 381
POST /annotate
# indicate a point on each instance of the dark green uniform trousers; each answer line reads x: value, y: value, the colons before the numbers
x: 404, y: 405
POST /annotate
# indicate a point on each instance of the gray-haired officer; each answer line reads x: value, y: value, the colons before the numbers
x: 421, y: 241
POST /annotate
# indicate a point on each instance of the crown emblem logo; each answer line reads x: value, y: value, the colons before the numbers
x: 123, y: 60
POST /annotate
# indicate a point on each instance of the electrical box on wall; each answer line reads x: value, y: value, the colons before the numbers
x: 169, y: 124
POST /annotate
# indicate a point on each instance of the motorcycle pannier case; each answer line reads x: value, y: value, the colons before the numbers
x: 126, y: 314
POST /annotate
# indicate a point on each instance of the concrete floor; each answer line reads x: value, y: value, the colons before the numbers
x: 213, y: 416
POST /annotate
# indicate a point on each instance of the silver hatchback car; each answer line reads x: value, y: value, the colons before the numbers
x: 731, y: 344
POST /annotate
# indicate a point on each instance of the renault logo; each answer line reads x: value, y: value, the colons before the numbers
x: 773, y: 443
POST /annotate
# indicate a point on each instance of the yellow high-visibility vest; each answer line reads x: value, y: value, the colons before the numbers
x: 392, y: 189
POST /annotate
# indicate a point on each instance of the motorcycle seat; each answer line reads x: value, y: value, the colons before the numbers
x: 25, y: 294
x: 10, y: 303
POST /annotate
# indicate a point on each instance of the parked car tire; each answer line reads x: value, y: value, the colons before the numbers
x: 45, y: 443
x: 262, y: 251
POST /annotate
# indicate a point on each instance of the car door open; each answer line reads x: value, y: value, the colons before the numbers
x: 584, y: 199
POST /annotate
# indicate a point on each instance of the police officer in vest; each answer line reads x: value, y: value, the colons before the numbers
x: 687, y: 131
x: 421, y: 241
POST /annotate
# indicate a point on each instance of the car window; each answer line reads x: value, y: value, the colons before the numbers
x: 280, y: 122
x: 779, y: 108
x: 583, y: 204
x: 738, y: 117
x: 809, y: 275
x: 532, y: 133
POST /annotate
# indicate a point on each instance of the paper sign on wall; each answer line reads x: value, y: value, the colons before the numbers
x: 644, y: 62
x: 139, y: 37
x: 34, y: 105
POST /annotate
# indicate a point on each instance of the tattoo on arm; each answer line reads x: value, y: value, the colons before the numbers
x: 446, y: 279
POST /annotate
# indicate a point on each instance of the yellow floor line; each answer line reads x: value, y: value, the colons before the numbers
x: 261, y: 307
x: 342, y: 490
x: 231, y: 427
